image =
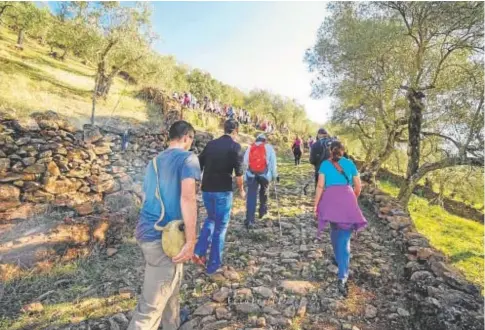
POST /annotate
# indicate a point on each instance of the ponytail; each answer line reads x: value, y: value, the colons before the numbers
x: 337, y: 150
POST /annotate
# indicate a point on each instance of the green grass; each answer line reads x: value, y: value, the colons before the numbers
x: 458, y: 238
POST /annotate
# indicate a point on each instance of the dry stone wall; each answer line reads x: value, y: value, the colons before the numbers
x: 443, y: 298
x: 45, y: 161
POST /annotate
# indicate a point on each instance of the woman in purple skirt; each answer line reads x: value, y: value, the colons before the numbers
x: 336, y: 203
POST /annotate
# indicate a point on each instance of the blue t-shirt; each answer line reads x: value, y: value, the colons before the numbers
x: 334, y: 177
x: 174, y: 165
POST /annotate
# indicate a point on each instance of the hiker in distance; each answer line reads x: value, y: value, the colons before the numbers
x: 261, y: 169
x: 336, y: 196
x: 320, y: 151
x: 219, y: 160
x: 297, y: 149
x: 169, y: 191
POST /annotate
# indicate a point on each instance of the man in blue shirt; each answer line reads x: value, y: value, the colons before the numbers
x: 255, y: 180
x: 177, y: 170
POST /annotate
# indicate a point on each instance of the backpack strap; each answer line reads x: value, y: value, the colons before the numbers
x: 340, y: 170
x: 159, y: 197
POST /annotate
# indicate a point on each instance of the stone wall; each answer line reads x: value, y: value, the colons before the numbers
x: 45, y: 161
x: 444, y: 299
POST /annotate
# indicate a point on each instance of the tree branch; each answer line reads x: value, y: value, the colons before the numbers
x: 456, y: 143
x: 445, y: 163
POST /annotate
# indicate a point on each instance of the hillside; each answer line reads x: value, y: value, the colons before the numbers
x: 31, y: 80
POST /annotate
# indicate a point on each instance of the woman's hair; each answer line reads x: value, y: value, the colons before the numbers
x: 337, y: 150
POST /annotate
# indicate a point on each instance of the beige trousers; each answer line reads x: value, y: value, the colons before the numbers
x: 159, y: 300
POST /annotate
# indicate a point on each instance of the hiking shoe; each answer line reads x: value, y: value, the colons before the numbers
x: 250, y: 226
x: 184, y: 315
x: 342, y: 288
x: 199, y: 260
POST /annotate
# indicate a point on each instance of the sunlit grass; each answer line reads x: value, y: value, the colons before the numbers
x: 30, y: 80
x: 458, y: 238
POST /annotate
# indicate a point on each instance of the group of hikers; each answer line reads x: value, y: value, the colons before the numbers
x: 170, y: 187
x: 242, y: 115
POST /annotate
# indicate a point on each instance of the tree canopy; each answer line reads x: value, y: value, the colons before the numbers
x: 406, y: 76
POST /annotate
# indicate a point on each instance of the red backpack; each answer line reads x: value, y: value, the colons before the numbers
x: 257, y: 159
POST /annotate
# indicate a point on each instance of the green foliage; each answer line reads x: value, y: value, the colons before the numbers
x: 26, y: 17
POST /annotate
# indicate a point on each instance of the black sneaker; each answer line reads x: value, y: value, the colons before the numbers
x: 342, y: 288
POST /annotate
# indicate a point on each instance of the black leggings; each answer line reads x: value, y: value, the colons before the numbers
x: 297, y: 154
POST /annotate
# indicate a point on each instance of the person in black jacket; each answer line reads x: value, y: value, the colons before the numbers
x: 320, y: 151
x: 219, y: 160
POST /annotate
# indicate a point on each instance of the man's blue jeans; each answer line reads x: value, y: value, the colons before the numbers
x: 253, y: 183
x: 218, y: 206
x: 341, y: 247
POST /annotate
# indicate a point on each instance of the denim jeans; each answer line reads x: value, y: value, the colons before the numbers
x: 218, y: 206
x: 341, y: 247
x: 253, y: 183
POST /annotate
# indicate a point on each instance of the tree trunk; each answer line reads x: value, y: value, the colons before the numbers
x: 20, y: 37
x: 416, y: 108
x: 373, y: 166
x: 94, y: 97
x: 105, y: 82
x: 63, y: 56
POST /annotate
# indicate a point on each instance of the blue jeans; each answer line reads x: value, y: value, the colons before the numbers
x: 341, y: 248
x: 253, y: 183
x: 218, y: 206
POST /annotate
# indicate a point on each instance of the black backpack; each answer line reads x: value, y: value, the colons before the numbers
x: 320, y: 152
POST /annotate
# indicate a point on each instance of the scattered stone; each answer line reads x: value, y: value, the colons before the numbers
x: 232, y: 275
x: 204, y: 310
x: 298, y: 287
x: 263, y: 291
x: 222, y: 313
x: 370, y: 312
x: 289, y: 311
x: 403, y: 312
x: 221, y: 295
x: 247, y: 308
x: 127, y: 292
x: 111, y: 252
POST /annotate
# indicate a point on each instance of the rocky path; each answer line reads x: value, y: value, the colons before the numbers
x: 289, y: 282
x: 269, y: 281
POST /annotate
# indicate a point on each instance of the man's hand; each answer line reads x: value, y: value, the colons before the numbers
x: 185, y: 254
x: 315, y: 211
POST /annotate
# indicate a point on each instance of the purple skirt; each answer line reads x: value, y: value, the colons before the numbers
x: 339, y: 206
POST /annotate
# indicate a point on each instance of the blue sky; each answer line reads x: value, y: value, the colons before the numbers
x: 246, y: 44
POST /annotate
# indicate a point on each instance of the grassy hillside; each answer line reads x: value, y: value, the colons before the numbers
x: 31, y: 80
x: 458, y: 238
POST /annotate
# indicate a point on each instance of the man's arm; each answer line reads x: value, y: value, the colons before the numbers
x: 246, y: 159
x: 238, y: 169
x: 202, y: 159
x: 312, y: 155
x: 188, y: 204
x: 189, y: 208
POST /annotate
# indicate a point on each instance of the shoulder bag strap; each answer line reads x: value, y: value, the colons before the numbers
x: 340, y: 170
x: 159, y: 197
